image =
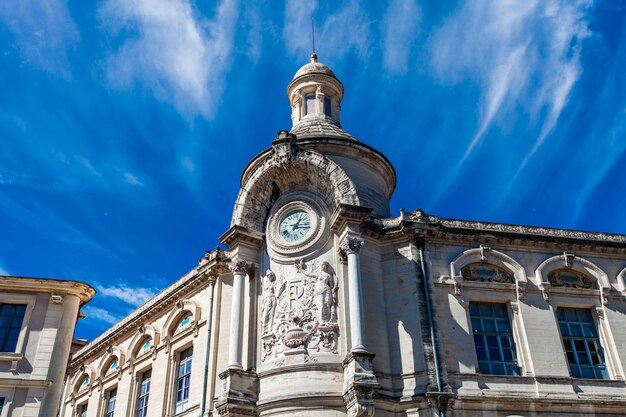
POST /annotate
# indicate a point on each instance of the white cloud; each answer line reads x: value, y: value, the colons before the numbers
x: 44, y: 32
x: 345, y: 31
x: 400, y: 31
x: 130, y: 178
x: 297, y: 29
x: 134, y: 296
x: 3, y: 268
x: 521, y: 52
x: 176, y: 53
x: 101, y: 314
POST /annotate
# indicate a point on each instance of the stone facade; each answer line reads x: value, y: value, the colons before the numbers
x: 37, y: 319
x: 325, y: 305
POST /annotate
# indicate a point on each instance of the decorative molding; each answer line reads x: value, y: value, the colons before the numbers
x: 569, y: 260
x: 485, y: 254
x: 239, y: 267
x: 299, y: 311
x: 442, y: 401
x: 352, y: 244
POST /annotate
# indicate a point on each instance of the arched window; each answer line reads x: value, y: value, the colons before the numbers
x: 183, y: 323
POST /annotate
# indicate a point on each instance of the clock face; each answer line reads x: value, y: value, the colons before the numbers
x: 295, y: 226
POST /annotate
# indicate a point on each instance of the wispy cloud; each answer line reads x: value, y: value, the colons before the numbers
x: 400, y: 31
x: 346, y: 30
x: 3, y: 268
x: 101, y: 314
x: 132, y: 179
x: 134, y: 296
x: 297, y: 19
x: 177, y: 54
x: 44, y: 32
x: 50, y: 223
x: 522, y: 53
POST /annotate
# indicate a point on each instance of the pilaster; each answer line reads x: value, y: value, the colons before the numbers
x: 360, y: 384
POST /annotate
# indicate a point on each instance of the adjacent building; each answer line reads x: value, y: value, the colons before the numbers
x: 326, y: 304
x: 37, y: 320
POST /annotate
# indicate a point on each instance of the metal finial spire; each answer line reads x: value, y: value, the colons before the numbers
x: 313, y: 55
x: 313, y: 32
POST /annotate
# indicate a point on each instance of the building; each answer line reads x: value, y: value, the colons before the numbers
x: 326, y: 304
x: 37, y: 319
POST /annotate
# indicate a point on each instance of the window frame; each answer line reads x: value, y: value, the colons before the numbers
x: 180, y: 406
x: 602, y: 352
x: 141, y: 410
x: 81, y: 410
x: 23, y: 299
x: 12, y: 324
x: 107, y: 402
x: 484, y: 333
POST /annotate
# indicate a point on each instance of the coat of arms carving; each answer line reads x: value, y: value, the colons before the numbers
x: 299, y: 311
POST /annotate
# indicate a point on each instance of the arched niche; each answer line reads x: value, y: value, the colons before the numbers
x: 111, y: 362
x: 284, y: 169
x: 487, y: 256
x: 82, y: 380
x: 183, y: 310
x: 569, y: 261
x: 143, y: 342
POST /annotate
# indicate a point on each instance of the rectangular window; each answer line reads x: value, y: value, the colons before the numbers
x: 183, y: 380
x: 144, y: 391
x: 493, y: 339
x: 581, y: 343
x: 109, y: 407
x: 327, y: 111
x: 82, y: 411
x: 11, y: 318
x: 309, y: 104
x: 1, y: 404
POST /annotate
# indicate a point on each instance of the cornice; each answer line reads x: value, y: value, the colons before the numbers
x: 240, y: 235
x: 348, y: 213
x: 57, y: 286
x: 476, y: 231
x: 163, y: 300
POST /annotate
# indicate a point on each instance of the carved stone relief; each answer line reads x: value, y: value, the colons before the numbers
x: 299, y: 310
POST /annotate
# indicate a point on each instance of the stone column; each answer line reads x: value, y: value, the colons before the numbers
x: 239, y: 269
x: 351, y: 246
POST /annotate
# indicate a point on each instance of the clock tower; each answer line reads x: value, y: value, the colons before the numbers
x: 297, y: 224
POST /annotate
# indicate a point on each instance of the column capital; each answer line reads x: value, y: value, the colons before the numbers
x: 351, y: 244
x: 238, y: 266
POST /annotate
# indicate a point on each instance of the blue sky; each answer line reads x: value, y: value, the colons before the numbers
x: 125, y: 125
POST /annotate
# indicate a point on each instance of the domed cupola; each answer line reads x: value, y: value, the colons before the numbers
x: 315, y: 96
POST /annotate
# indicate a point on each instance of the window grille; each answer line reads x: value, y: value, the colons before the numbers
x: 493, y: 339
x: 183, y: 380
x: 580, y: 341
x: 144, y: 392
x: 110, y: 404
x: 11, y: 319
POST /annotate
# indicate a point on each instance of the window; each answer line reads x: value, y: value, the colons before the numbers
x: 109, y: 407
x: 327, y: 110
x: 183, y: 379
x: 82, y: 411
x: 309, y: 104
x: 11, y: 318
x: 1, y: 404
x: 144, y: 391
x: 493, y: 339
x: 581, y: 343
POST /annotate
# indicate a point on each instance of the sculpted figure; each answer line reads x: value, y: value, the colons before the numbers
x: 270, y: 294
x: 325, y: 293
